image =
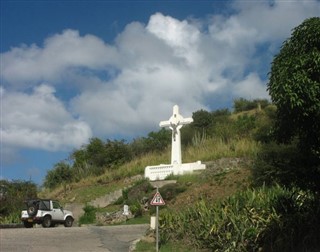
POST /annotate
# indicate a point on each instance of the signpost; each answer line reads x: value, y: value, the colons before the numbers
x: 157, y: 201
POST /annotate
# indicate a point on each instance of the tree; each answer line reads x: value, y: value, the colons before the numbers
x: 242, y: 104
x: 154, y: 142
x: 79, y: 157
x: 12, y: 195
x: 96, y: 152
x: 61, y: 173
x: 202, y: 119
x: 158, y: 141
x: 294, y: 87
x: 116, y: 153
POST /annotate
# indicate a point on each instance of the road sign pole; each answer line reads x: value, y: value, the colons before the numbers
x: 157, y: 201
x: 157, y: 230
x: 157, y: 225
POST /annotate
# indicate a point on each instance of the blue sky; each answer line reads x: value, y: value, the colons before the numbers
x: 72, y: 70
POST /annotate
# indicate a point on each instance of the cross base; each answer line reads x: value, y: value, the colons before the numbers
x: 160, y: 172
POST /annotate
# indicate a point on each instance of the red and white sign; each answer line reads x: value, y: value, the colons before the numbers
x: 157, y: 200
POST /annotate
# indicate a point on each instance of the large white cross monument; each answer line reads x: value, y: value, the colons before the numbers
x: 175, y: 123
x: 160, y: 172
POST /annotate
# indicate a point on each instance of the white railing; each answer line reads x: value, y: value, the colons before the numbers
x: 160, y: 172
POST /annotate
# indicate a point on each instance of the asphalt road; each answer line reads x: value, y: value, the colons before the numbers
x: 77, y: 239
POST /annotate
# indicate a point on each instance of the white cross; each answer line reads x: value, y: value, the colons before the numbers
x: 175, y: 123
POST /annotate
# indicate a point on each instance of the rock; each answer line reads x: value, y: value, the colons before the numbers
x: 148, y: 239
x: 113, y: 218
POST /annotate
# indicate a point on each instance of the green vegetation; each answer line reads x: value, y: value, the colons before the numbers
x: 114, y: 159
x: 89, y: 216
x: 170, y: 246
x: 144, y: 219
x: 260, y: 191
x: 242, y: 104
x: 133, y: 196
x: 287, y: 165
x: 12, y: 197
x: 263, y: 219
x: 270, y: 217
x: 294, y: 87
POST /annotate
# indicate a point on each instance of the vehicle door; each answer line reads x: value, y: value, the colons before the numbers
x: 57, y: 211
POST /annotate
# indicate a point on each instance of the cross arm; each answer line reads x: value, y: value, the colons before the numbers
x: 165, y: 124
x: 186, y: 121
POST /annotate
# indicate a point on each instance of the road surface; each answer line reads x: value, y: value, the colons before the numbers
x: 74, y: 239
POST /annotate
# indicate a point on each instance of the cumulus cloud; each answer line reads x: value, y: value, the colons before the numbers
x: 127, y: 87
x: 61, y: 53
x: 39, y: 120
x: 250, y: 87
x: 274, y: 19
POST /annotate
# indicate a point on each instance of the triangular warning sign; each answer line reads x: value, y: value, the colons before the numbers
x: 157, y: 200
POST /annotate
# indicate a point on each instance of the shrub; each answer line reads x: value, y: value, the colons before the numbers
x: 286, y: 165
x: 125, y: 193
x: 12, y: 197
x: 265, y: 219
x: 136, y: 208
x: 242, y: 104
x: 170, y: 191
x: 137, y: 192
x: 245, y: 124
x: 89, y: 215
x: 62, y: 173
x: 14, y: 217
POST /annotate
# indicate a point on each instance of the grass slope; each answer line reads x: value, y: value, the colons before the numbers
x: 208, y: 152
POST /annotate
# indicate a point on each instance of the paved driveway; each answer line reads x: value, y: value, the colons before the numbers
x: 77, y: 239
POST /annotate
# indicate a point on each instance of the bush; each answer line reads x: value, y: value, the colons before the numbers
x: 137, y: 192
x: 136, y: 208
x: 170, y: 191
x: 242, y: 104
x: 12, y: 197
x: 286, y: 165
x: 14, y: 217
x: 154, y: 142
x: 245, y: 124
x: 89, y: 215
x: 264, y: 219
x: 134, y: 196
x: 62, y: 173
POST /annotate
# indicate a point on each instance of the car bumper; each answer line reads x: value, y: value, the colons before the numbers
x: 32, y: 219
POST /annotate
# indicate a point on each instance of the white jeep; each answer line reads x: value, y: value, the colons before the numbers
x: 46, y: 212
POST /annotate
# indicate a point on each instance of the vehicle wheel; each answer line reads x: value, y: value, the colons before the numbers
x: 68, y: 222
x: 27, y: 224
x: 46, y: 221
x: 32, y: 208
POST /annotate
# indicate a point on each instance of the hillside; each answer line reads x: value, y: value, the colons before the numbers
x: 227, y: 155
x: 222, y: 178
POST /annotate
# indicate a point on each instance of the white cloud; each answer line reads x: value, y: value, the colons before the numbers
x: 39, y: 120
x: 275, y: 19
x: 181, y: 36
x: 127, y: 87
x: 60, y: 54
x: 250, y: 88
